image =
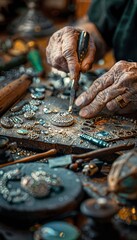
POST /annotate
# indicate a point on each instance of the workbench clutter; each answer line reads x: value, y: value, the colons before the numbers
x: 36, y: 187
x: 18, y: 51
x: 32, y: 192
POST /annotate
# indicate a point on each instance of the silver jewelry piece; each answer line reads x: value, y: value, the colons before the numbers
x: 12, y: 195
x: 40, y: 183
x: 6, y: 122
x: 62, y: 119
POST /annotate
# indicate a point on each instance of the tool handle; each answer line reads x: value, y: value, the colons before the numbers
x: 105, y: 151
x: 32, y: 158
x: 83, y: 42
x: 13, y: 92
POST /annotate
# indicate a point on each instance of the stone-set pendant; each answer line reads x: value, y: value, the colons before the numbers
x: 62, y: 119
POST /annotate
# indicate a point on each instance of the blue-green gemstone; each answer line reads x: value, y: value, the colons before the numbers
x: 57, y: 230
x: 102, y: 134
x: 22, y: 131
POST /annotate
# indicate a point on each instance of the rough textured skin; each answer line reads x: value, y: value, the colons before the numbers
x: 121, y: 79
x: 61, y: 52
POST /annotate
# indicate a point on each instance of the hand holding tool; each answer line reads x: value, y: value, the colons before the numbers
x: 81, y: 51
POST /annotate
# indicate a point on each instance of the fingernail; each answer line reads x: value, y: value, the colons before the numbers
x: 80, y: 100
x: 83, y: 113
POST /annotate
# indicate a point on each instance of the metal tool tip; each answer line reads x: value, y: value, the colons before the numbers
x: 70, y: 109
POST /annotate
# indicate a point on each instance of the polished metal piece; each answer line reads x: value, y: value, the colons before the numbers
x: 62, y: 119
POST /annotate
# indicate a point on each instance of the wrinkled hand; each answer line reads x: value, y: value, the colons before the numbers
x: 116, y: 90
x: 62, y: 52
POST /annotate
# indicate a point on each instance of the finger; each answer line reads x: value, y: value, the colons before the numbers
x: 98, y: 85
x: 100, y: 102
x: 54, y: 53
x: 69, y: 51
x: 130, y: 108
x: 119, y: 102
x: 89, y: 58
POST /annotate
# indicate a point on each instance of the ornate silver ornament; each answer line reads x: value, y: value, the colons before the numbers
x: 62, y: 119
x: 40, y: 183
x: 6, y: 122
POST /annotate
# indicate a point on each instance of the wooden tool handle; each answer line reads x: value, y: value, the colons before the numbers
x: 105, y: 151
x: 13, y: 91
x: 31, y: 158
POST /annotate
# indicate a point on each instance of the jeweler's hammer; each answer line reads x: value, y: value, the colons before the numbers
x: 13, y: 92
x: 82, y: 49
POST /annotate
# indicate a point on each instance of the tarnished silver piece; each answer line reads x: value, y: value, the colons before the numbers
x: 62, y: 119
x: 14, y: 195
x: 39, y: 184
x: 29, y: 115
x: 28, y: 126
x: 33, y: 135
x: 122, y: 178
x: 6, y: 122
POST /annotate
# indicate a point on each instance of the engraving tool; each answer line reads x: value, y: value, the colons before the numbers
x: 81, y: 51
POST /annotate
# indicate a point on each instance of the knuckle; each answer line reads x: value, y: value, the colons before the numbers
x: 68, y: 53
x: 101, y: 98
x: 120, y: 65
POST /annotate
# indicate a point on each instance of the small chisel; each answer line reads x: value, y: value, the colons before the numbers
x: 81, y: 51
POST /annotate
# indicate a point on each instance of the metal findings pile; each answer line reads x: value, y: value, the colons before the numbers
x: 110, y: 128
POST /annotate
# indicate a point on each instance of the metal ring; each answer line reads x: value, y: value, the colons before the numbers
x: 121, y: 102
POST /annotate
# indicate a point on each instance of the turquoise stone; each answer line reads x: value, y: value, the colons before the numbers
x: 102, y: 134
x: 22, y: 131
x: 57, y: 230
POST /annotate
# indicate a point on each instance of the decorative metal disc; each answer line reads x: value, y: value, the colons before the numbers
x: 6, y: 122
x: 62, y: 119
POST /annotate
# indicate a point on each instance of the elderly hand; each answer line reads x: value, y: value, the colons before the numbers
x: 62, y: 52
x: 116, y: 90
